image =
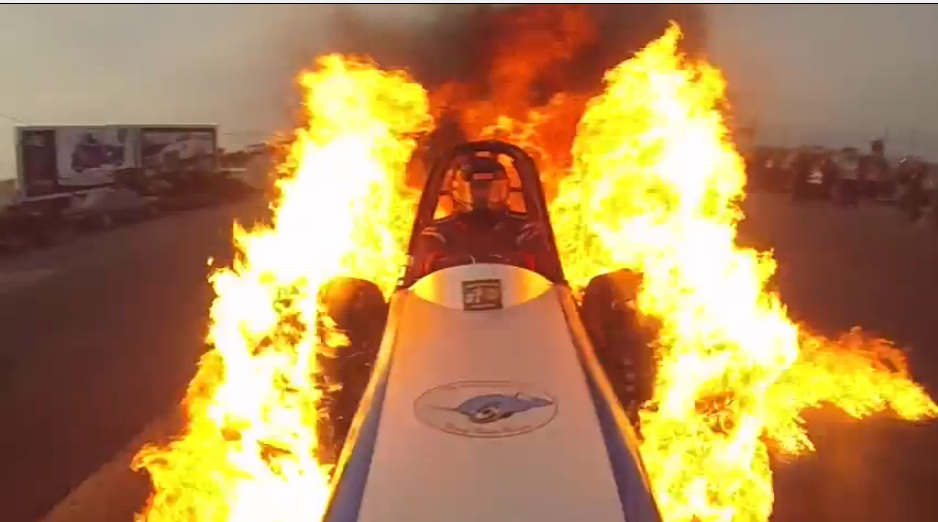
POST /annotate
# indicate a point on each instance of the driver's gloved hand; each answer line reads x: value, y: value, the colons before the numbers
x: 530, y: 231
x: 433, y: 233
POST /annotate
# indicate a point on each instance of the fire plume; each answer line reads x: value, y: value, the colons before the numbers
x: 647, y: 180
x: 251, y: 450
x: 654, y: 187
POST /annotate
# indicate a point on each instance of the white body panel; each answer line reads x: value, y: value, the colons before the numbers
x: 559, y: 470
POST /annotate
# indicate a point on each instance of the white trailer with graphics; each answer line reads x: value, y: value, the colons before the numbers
x: 57, y: 160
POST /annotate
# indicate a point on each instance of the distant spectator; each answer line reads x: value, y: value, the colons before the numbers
x: 874, y: 173
x: 801, y: 172
x: 913, y: 198
x: 847, y: 164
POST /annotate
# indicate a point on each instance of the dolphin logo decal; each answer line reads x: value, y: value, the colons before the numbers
x: 489, y: 408
x: 486, y: 408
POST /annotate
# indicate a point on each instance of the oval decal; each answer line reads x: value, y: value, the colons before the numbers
x: 485, y: 409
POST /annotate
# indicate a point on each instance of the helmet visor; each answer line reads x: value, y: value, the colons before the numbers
x: 480, y: 190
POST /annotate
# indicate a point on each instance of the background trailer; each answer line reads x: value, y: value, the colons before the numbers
x: 53, y: 160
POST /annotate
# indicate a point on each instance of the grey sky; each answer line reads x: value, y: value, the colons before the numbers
x: 834, y: 73
x: 830, y: 73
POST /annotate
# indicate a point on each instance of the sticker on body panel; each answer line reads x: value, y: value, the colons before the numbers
x: 482, y: 294
x: 485, y: 409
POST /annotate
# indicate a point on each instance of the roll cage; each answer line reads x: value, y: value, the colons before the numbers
x: 528, y: 187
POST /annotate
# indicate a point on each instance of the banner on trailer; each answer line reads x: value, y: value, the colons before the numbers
x: 89, y: 156
x: 40, y: 174
x: 174, y: 150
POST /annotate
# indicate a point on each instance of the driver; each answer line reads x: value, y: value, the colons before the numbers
x: 482, y: 229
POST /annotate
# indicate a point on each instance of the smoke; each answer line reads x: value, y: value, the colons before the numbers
x: 462, y: 43
x: 481, y: 63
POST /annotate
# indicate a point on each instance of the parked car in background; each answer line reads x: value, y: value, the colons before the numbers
x: 31, y: 223
x: 109, y: 206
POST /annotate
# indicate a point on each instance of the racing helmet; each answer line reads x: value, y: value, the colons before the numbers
x: 481, y: 183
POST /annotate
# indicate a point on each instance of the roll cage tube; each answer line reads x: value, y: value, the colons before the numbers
x: 531, y: 188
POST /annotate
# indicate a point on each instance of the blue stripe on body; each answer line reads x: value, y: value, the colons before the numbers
x: 638, y: 505
x: 351, y: 476
x: 346, y: 501
x: 635, y: 496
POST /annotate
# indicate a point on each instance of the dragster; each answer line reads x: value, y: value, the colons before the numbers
x: 486, y: 397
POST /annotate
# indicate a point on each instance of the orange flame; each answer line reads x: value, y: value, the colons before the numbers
x: 251, y: 450
x: 654, y: 188
x: 652, y: 184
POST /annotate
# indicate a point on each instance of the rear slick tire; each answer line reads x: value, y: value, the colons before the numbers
x: 621, y: 339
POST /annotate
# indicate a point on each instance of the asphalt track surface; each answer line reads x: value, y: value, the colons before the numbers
x: 101, y: 335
